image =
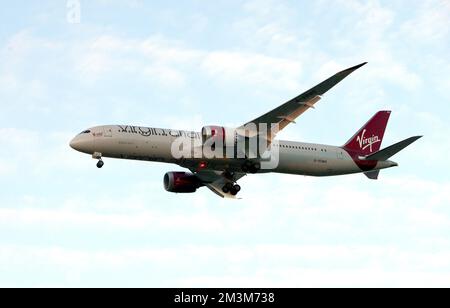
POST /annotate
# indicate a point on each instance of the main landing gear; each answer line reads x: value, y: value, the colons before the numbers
x: 249, y: 167
x: 100, y: 162
x: 232, y: 189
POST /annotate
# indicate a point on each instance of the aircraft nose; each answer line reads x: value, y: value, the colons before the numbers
x: 82, y: 143
x: 75, y: 144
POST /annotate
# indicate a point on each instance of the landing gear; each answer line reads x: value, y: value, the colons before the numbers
x: 100, y: 164
x: 227, y: 188
x: 235, y: 190
x: 257, y: 167
x: 232, y: 189
x: 250, y: 167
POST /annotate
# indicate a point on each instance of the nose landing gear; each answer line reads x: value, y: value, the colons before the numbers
x: 100, y: 162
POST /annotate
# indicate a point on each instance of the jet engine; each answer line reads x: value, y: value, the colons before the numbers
x: 181, y: 182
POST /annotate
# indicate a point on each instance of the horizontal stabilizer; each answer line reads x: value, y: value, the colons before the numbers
x: 388, y: 152
x: 373, y: 175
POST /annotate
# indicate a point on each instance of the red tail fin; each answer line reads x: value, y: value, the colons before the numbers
x: 368, y: 139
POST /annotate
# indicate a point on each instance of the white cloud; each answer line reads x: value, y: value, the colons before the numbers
x: 373, y: 18
x: 384, y: 68
x: 142, y: 220
x: 168, y: 76
x: 168, y: 51
x: 24, y: 43
x: 372, y: 39
x: 8, y: 82
x: 431, y: 25
x: 18, y: 139
x: 278, y: 265
x: 165, y: 61
x: 188, y: 122
x: 94, y: 64
x: 39, y: 153
x: 6, y: 168
x: 253, y: 69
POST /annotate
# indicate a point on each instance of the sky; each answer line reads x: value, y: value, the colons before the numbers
x: 69, y: 65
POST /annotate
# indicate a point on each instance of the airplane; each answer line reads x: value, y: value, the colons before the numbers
x: 361, y: 154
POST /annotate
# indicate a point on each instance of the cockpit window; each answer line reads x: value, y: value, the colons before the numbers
x: 86, y: 132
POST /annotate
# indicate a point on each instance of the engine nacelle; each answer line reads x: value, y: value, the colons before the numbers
x: 218, y: 136
x: 181, y: 182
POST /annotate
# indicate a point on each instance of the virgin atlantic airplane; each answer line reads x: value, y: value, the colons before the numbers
x: 217, y: 157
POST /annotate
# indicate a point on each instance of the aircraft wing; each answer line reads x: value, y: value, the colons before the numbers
x: 288, y: 112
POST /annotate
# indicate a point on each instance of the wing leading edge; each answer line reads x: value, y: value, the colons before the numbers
x: 288, y: 112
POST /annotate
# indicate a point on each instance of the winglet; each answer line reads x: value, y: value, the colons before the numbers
x: 354, y: 68
x: 326, y: 85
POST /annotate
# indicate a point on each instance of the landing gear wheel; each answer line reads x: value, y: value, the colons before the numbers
x: 235, y: 189
x: 248, y: 167
x: 227, y: 188
x: 100, y: 164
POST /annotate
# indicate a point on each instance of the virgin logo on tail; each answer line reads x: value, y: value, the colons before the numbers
x: 365, y: 143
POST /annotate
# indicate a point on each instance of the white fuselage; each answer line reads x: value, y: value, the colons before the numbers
x: 155, y: 144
